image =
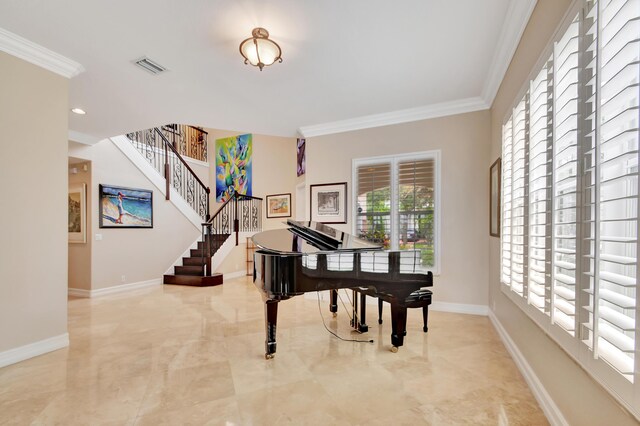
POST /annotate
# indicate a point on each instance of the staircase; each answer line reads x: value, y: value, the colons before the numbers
x: 193, y: 269
x: 161, y: 147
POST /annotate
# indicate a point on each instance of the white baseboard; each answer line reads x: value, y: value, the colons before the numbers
x: 232, y: 275
x: 33, y: 349
x: 460, y: 308
x: 78, y: 292
x: 551, y: 410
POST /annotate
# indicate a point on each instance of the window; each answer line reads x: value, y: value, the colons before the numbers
x: 396, y: 203
x: 569, y: 239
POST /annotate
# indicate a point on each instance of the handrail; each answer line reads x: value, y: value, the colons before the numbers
x: 182, y: 160
x: 226, y: 219
x: 154, y: 145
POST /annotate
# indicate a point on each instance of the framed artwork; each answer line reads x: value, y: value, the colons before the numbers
x: 301, y: 157
x: 233, y: 166
x: 125, y: 207
x: 279, y: 205
x: 329, y: 202
x: 77, y: 213
x: 494, y: 198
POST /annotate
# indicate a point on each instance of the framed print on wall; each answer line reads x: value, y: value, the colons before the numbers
x: 278, y: 205
x: 329, y: 202
x: 494, y: 198
x: 125, y: 207
x: 77, y: 213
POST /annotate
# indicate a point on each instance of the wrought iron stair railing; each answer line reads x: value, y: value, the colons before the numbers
x: 156, y: 148
x: 240, y: 213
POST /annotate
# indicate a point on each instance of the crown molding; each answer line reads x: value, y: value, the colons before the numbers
x: 513, y: 27
x: 396, y: 117
x: 31, y: 52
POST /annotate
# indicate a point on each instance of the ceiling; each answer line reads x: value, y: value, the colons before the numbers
x: 345, y: 61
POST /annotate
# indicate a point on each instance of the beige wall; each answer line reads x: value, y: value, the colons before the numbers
x: 33, y: 253
x: 274, y: 169
x: 463, y: 141
x: 80, y: 253
x: 581, y: 400
x: 137, y: 254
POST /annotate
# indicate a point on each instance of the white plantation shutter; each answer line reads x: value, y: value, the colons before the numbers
x: 373, y: 202
x: 569, y: 243
x: 613, y: 260
x: 396, y: 204
x: 507, y: 175
x: 539, y: 191
x: 565, y: 178
x: 518, y: 211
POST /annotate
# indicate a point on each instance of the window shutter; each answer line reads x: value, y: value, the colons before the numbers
x: 373, y: 215
x: 539, y: 191
x: 613, y: 260
x: 507, y: 175
x: 565, y: 178
x: 416, y: 207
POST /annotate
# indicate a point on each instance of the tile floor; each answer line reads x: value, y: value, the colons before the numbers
x: 178, y: 355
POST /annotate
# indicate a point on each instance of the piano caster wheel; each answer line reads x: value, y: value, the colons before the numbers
x: 394, y: 349
x: 335, y: 314
x: 269, y: 356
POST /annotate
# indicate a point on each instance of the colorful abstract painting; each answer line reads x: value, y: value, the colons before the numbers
x: 233, y: 166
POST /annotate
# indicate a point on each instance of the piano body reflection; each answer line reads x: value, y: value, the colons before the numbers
x: 309, y: 256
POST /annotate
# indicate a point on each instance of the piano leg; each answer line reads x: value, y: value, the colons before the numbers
x: 271, y: 317
x: 359, y: 321
x: 333, y: 302
x: 398, y: 325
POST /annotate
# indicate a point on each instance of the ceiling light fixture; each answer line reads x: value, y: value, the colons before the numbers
x: 259, y: 50
x: 78, y: 111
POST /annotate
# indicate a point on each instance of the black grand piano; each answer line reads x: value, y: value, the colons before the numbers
x: 310, y: 256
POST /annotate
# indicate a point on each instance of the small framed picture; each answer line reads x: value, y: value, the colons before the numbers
x: 125, y: 207
x: 279, y: 205
x: 494, y: 198
x: 329, y: 202
x: 77, y: 213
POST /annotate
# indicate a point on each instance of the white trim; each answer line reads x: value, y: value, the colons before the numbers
x: 187, y: 253
x: 396, y: 117
x: 513, y: 27
x: 124, y: 144
x: 78, y: 292
x: 38, y: 55
x: 232, y: 275
x: 34, y: 349
x: 460, y: 308
x: 551, y: 410
x: 82, y: 138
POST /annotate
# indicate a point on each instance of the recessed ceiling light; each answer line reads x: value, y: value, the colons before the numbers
x: 79, y: 111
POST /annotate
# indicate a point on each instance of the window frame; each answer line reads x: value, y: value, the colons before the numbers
x: 394, y: 160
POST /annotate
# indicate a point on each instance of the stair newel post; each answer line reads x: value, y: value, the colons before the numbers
x: 207, y: 243
x: 208, y: 192
x: 236, y: 222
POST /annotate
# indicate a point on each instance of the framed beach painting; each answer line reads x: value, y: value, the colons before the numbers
x: 122, y: 207
x: 329, y: 202
x: 77, y: 213
x: 494, y: 198
x: 279, y: 205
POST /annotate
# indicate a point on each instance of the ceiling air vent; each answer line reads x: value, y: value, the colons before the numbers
x: 149, y: 66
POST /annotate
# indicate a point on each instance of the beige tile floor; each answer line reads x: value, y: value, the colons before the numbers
x: 177, y: 355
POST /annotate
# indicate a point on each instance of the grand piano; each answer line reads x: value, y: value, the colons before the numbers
x: 310, y: 256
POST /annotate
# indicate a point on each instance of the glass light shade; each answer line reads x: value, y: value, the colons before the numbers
x: 259, y: 51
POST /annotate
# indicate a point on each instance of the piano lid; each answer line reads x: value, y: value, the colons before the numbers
x: 310, y: 237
